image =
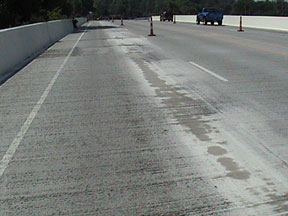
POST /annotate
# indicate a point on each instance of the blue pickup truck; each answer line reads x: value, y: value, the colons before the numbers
x: 210, y: 15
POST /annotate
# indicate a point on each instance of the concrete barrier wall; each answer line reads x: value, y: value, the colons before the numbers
x: 58, y: 29
x: 260, y: 22
x: 265, y: 22
x: 156, y: 18
x: 186, y: 18
x: 20, y: 44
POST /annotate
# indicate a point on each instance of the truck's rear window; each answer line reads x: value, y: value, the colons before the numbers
x: 211, y: 10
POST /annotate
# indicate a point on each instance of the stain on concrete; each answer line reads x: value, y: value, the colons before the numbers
x: 265, y: 190
x: 269, y: 182
x: 187, y: 111
x: 234, y: 170
x: 280, y: 202
x: 216, y: 150
x: 190, y: 113
x: 239, y: 174
x: 90, y: 51
x: 228, y: 163
x: 54, y: 53
x: 253, y: 191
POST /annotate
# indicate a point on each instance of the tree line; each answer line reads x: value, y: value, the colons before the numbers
x: 19, y: 12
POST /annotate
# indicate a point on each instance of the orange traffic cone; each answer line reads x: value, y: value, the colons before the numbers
x: 122, y: 21
x: 240, y: 27
x: 151, y: 28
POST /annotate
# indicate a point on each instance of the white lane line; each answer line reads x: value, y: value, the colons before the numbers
x: 19, y: 137
x: 208, y: 71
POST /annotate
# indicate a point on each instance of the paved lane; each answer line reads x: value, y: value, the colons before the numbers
x: 254, y: 63
x: 247, y: 108
x: 131, y: 127
x: 100, y: 143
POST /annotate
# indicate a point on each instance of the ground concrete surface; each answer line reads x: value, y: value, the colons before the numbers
x: 105, y: 123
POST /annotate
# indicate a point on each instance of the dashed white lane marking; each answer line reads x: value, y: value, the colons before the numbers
x: 19, y: 137
x: 208, y: 71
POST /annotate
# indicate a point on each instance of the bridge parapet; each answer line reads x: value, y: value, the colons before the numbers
x: 259, y: 22
x: 21, y: 44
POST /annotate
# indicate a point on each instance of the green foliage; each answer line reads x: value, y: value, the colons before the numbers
x: 18, y: 12
x: 55, y: 14
x: 244, y: 7
x: 4, y: 14
x: 133, y: 8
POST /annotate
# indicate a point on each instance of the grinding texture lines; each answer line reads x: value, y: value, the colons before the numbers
x: 236, y: 115
x: 100, y: 145
x: 130, y: 127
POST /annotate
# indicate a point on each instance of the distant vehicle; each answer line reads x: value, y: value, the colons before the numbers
x: 166, y: 15
x: 210, y: 15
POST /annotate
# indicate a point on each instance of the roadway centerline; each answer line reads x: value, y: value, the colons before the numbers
x: 209, y: 72
x: 20, y: 135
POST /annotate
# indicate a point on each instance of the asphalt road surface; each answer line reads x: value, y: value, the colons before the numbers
x: 109, y: 121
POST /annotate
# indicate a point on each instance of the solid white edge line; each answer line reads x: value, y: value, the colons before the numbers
x: 19, y: 137
x: 208, y: 71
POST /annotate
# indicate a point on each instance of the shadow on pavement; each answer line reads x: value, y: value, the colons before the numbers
x: 92, y: 28
x: 8, y: 75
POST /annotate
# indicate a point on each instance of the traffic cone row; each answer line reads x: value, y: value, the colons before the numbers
x: 174, y: 22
